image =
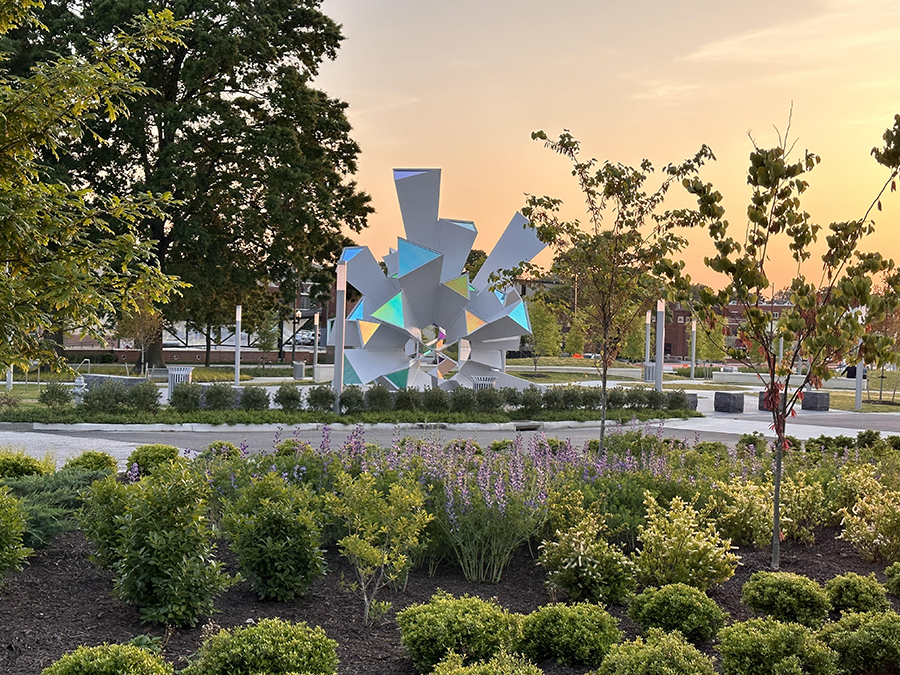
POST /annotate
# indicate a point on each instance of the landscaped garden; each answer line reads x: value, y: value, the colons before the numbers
x: 437, y: 557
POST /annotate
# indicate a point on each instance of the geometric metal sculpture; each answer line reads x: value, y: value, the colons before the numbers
x: 424, y: 322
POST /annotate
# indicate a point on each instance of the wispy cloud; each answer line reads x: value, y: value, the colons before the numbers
x: 665, y: 93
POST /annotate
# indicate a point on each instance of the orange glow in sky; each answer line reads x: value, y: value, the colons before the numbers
x: 461, y: 85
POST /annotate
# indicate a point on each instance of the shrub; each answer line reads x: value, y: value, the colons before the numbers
x: 532, y: 401
x: 289, y: 396
x: 383, y: 530
x: 150, y: 457
x: 435, y: 399
x: 678, y: 607
x: 224, y: 449
x: 272, y: 646
x: 852, y: 592
x: 165, y: 556
x: 462, y: 400
x: 488, y: 400
x: 615, y: 398
x: 407, y: 398
x: 867, y: 438
x: 219, y: 396
x: 764, y: 646
x: 14, y: 464
x: 353, y: 400
x: 104, y: 503
x: 501, y: 663
x: 786, y: 597
x: 49, y: 501
x: 254, y: 398
x: 379, y: 399
x: 586, y: 566
x: 677, y: 400
x: 321, y: 398
x: 574, y: 635
x: 144, y: 396
x: 185, y: 396
x: 572, y: 397
x: 105, y: 397
x: 109, y: 659
x: 802, y: 507
x: 474, y: 628
x: 12, y: 528
x: 552, y: 398
x: 865, y: 642
x: 678, y: 547
x: 273, y: 531
x: 92, y: 460
x: 511, y: 397
x: 872, y: 525
x: 742, y: 511
x: 660, y: 654
x: 55, y: 395
x: 892, y: 578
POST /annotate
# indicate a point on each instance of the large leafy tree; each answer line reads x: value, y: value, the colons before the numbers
x: 626, y: 244
x: 70, y: 257
x: 258, y: 160
x: 835, y: 302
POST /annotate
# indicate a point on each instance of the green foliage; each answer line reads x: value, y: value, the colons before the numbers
x: 383, y: 532
x: 742, y: 511
x: 802, y: 507
x: 511, y: 397
x: 892, y: 579
x: 55, y: 394
x: 435, y: 399
x: 105, y: 397
x: 764, y: 646
x: 219, y: 396
x: 353, y: 400
x: 657, y: 654
x: 462, y: 400
x: 103, y: 505
x: 15, y: 463
x: 379, y: 399
x: 474, y: 628
x: 501, y: 663
x: 678, y: 547
x: 532, y: 401
x: 852, y: 592
x: 109, y: 659
x: 546, y: 336
x: 272, y: 529
x: 220, y: 449
x: 144, y: 396
x: 865, y: 643
x: 787, y: 597
x: 574, y: 635
x: 872, y: 525
x: 165, y: 563
x: 272, y: 646
x: 92, y: 460
x: 407, y: 398
x: 50, y: 501
x: 185, y: 396
x: 321, y: 398
x: 12, y: 529
x: 488, y: 400
x: 254, y: 398
x: 150, y: 457
x: 289, y: 396
x: 678, y: 607
x: 586, y: 566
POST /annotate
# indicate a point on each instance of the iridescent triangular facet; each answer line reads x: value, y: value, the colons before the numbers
x: 460, y: 285
x: 392, y: 311
x: 473, y: 322
x: 350, y: 376
x: 400, y: 378
x: 412, y: 257
x: 367, y: 330
x: 520, y: 316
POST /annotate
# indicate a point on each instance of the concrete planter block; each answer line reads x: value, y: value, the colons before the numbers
x: 762, y: 404
x: 729, y: 402
x: 815, y: 400
x: 93, y: 380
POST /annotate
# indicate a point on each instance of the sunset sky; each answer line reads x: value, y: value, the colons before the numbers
x: 461, y: 85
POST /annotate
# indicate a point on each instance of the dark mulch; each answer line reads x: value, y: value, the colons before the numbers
x: 61, y: 601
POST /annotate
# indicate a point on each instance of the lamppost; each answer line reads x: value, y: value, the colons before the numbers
x: 340, y: 317
x: 237, y: 346
x: 693, y: 345
x: 660, y: 341
x: 315, y: 343
x: 647, y: 347
x: 294, y: 321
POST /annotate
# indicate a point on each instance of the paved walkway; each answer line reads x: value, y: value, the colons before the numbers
x: 64, y: 441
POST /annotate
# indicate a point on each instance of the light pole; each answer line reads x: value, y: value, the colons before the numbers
x: 315, y: 343
x: 237, y: 346
x: 340, y: 317
x: 693, y: 345
x: 660, y: 341
x: 646, y: 346
x: 294, y: 321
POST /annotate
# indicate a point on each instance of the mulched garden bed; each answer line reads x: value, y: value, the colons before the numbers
x: 61, y: 600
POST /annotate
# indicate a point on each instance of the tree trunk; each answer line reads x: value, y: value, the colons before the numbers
x: 154, y: 352
x: 208, y: 336
x: 603, y: 375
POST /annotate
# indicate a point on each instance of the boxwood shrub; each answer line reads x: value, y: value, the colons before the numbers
x: 502, y: 663
x: 867, y: 642
x: 763, y: 646
x: 678, y: 607
x: 185, y: 396
x: 852, y: 592
x: 109, y: 659
x: 787, y: 597
x: 656, y: 654
x: 574, y: 635
x: 152, y: 456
